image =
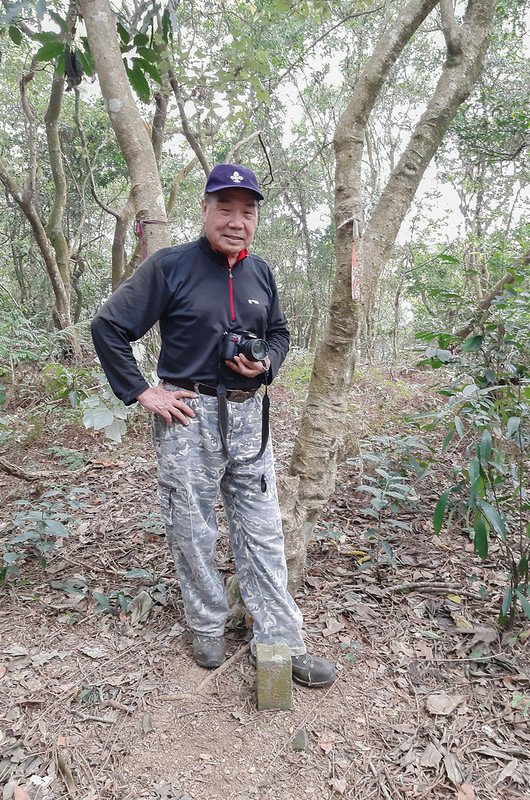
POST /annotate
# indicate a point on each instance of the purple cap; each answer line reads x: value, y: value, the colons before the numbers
x: 232, y: 176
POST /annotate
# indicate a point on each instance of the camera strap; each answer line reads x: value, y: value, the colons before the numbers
x: 222, y: 405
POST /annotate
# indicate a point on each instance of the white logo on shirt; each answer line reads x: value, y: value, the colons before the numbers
x: 256, y: 302
x: 236, y: 177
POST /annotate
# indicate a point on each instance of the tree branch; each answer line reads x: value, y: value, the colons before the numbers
x: 186, y: 130
x: 321, y: 38
x: 496, y: 290
x: 451, y: 30
x: 84, y: 145
x: 29, y: 190
x: 454, y: 85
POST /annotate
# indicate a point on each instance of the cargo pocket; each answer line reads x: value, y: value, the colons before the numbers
x: 175, y: 509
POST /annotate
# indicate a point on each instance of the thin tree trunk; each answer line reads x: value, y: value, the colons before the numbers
x: 458, y: 77
x: 131, y: 133
x: 312, y: 471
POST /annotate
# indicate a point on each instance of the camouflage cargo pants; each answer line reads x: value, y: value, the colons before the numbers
x: 192, y: 468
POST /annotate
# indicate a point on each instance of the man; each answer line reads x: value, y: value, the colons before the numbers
x: 203, y: 294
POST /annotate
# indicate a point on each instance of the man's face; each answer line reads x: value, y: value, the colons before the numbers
x: 230, y: 217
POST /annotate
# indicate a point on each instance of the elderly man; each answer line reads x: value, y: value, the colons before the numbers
x: 223, y: 336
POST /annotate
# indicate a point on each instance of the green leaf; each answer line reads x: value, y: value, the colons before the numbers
x: 493, y: 517
x: 138, y: 572
x: 138, y: 82
x: 474, y: 471
x: 56, y: 528
x: 166, y: 26
x: 60, y: 69
x: 50, y: 51
x: 151, y: 69
x: 141, y: 39
x: 98, y: 418
x: 472, y: 345
x: 116, y: 430
x: 149, y: 54
x: 447, y: 440
x: 448, y: 259
x: 262, y: 95
x: 15, y: 34
x: 11, y: 558
x: 459, y: 427
x: 485, y: 446
x: 444, y: 340
x: 439, y: 511
x: 480, y: 540
x: 102, y: 600
x: 44, y: 37
x: 523, y: 566
x: 124, y: 33
x: 525, y: 603
x: 513, y: 426
x: 58, y: 20
x: 27, y: 536
x: 442, y: 355
x: 87, y: 62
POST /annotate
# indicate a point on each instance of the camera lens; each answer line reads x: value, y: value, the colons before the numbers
x: 258, y: 349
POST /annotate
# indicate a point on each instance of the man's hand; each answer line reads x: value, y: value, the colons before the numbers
x: 246, y: 367
x: 168, y: 405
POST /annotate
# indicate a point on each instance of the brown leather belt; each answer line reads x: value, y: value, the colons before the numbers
x: 234, y: 395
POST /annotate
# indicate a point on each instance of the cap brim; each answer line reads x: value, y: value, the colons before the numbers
x: 231, y: 186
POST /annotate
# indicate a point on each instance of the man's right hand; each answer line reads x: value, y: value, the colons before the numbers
x: 168, y: 405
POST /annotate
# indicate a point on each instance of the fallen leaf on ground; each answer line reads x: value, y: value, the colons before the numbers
x: 442, y: 703
x: 332, y: 626
x: 20, y: 794
x: 462, y: 623
x: 338, y: 785
x: 466, y: 792
x: 93, y: 652
x: 326, y: 741
x: 140, y: 607
x: 453, y: 769
x: 431, y: 756
x: 508, y: 772
x: 147, y: 724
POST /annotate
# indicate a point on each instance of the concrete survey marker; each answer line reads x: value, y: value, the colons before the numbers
x: 275, y: 682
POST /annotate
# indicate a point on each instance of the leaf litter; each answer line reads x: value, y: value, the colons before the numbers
x: 99, y: 696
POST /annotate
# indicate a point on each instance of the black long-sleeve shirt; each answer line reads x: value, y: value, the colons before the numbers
x: 196, y: 297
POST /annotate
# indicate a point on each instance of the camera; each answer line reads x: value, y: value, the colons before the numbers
x: 246, y: 343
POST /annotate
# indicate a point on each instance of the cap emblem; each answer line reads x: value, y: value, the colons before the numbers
x: 236, y: 177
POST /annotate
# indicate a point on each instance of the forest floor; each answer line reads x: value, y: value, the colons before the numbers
x: 99, y: 696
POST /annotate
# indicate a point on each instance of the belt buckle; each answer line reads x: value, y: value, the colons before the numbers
x: 238, y: 396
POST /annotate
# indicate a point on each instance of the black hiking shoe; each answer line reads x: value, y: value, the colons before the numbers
x: 208, y: 651
x: 310, y: 671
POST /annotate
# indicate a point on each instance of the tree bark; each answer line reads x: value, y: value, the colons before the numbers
x: 129, y: 127
x: 313, y: 465
x: 458, y: 77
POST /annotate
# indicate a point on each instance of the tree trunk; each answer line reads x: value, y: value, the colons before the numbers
x: 460, y: 72
x: 131, y: 132
x: 312, y: 471
x: 54, y: 226
x: 61, y: 310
